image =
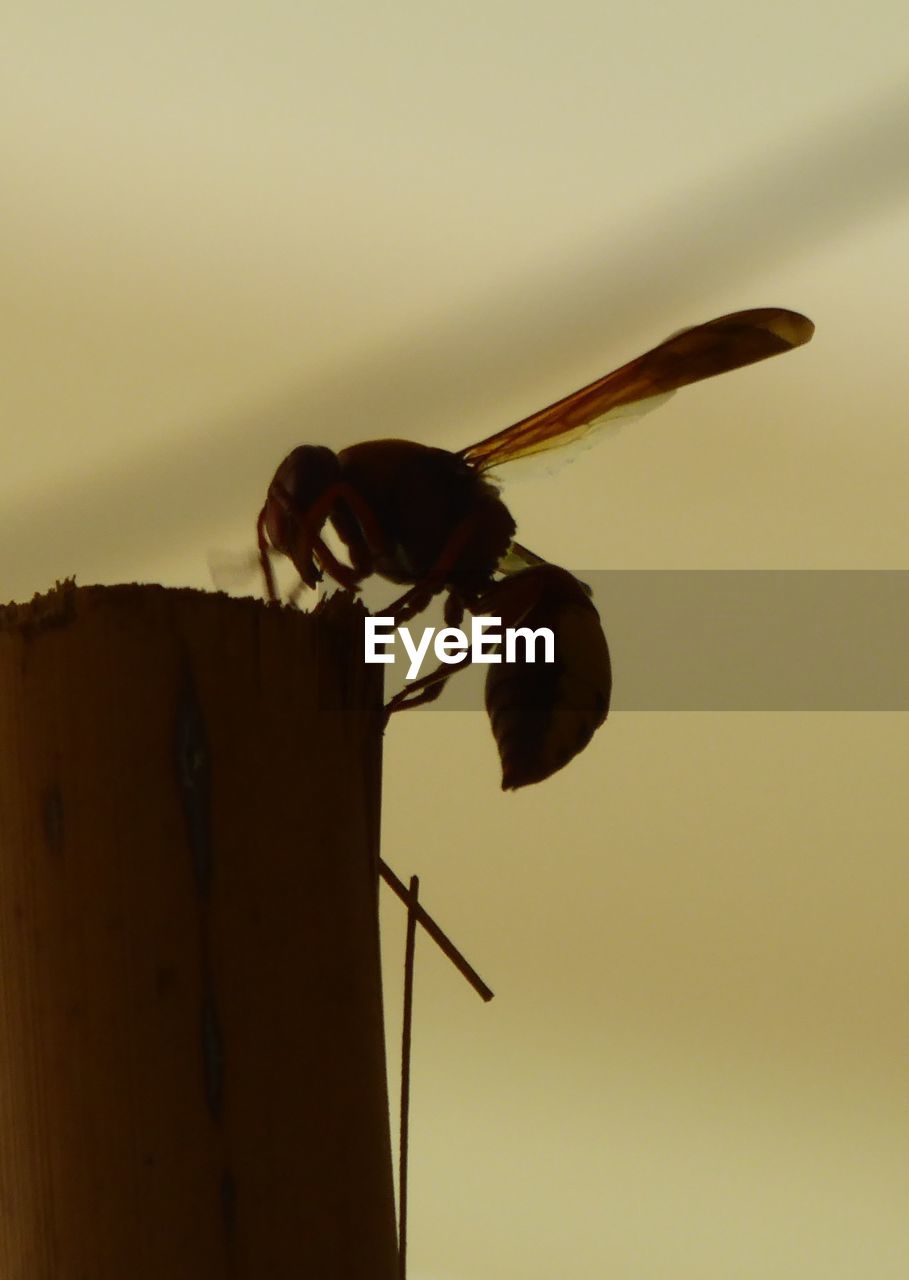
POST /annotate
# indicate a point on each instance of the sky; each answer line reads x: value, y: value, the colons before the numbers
x: 233, y: 229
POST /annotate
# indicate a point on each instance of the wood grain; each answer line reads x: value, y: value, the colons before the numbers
x: 192, y: 1069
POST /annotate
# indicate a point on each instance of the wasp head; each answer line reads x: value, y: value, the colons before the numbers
x: 297, y: 505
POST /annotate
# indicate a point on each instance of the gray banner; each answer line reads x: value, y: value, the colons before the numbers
x: 738, y: 640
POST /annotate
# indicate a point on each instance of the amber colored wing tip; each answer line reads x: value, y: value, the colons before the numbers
x: 790, y: 327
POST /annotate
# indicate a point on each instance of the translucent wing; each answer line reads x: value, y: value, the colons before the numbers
x: 568, y: 448
x: 692, y: 355
x: 518, y: 558
x: 239, y: 573
x: 234, y: 572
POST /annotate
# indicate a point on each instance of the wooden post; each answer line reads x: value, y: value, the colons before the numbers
x: 192, y: 1068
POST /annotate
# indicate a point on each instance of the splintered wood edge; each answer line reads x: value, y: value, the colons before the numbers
x: 48, y: 609
x: 59, y: 606
x: 334, y: 629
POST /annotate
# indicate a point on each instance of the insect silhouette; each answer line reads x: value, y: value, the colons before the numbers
x: 432, y: 520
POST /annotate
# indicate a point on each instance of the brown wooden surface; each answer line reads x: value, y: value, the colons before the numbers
x: 192, y: 1070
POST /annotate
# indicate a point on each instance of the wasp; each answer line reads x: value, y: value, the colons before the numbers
x: 432, y: 520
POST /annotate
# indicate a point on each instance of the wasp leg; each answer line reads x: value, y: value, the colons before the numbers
x: 430, y: 686
x: 455, y: 607
x: 264, y: 560
x: 356, y: 525
x: 308, y: 552
x: 424, y: 690
x: 413, y: 601
x: 307, y: 549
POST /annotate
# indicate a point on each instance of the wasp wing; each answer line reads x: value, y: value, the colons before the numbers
x: 729, y: 342
x: 549, y: 460
x: 517, y: 558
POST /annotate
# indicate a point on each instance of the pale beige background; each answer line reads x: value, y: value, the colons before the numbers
x: 232, y: 228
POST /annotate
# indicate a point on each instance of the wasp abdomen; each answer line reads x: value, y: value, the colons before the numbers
x: 543, y: 714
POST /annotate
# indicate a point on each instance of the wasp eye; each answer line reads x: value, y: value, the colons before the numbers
x: 306, y: 473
